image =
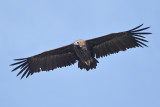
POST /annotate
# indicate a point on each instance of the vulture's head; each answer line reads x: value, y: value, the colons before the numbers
x: 79, y: 43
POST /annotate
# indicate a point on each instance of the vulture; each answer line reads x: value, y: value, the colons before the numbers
x: 84, y: 52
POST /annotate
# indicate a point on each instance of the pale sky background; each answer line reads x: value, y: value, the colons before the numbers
x: 126, y: 79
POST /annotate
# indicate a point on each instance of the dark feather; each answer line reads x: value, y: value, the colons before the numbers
x: 143, y: 33
x: 141, y: 39
x: 46, y: 61
x: 23, y: 64
x: 139, y: 36
x: 136, y: 27
x: 23, y: 69
x: 141, y: 29
x: 115, y: 42
x: 17, y: 63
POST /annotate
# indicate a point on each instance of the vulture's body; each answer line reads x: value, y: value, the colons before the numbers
x: 83, y: 51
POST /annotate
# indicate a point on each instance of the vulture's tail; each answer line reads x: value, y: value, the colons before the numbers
x: 92, y: 64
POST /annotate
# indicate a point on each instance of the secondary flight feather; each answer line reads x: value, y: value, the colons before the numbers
x: 84, y: 52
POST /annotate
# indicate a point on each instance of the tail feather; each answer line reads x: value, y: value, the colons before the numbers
x: 93, y: 64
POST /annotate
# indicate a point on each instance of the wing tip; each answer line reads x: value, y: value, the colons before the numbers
x: 136, y: 27
x: 21, y: 59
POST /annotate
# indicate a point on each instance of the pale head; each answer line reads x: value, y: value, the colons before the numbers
x: 79, y: 43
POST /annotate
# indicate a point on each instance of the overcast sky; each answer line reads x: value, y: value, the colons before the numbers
x: 126, y: 79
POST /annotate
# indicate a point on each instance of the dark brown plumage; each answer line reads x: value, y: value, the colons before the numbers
x: 83, y: 51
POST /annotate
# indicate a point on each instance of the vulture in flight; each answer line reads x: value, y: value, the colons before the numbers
x: 84, y: 52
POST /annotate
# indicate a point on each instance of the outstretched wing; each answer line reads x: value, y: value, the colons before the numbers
x: 46, y: 61
x: 115, y: 42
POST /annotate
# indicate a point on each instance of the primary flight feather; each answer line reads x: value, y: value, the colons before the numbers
x: 83, y: 51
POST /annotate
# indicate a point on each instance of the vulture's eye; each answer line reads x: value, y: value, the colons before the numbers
x: 77, y: 43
